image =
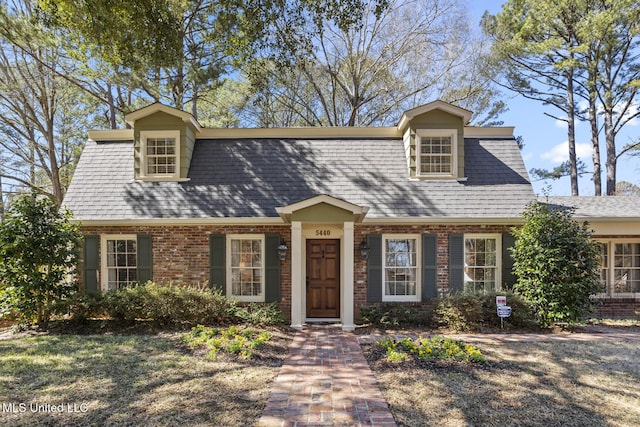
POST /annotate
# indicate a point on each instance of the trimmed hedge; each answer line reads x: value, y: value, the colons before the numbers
x: 168, y: 305
x: 459, y: 312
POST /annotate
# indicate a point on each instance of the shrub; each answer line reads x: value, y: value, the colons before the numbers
x: 165, y: 305
x: 260, y: 314
x: 396, y: 315
x: 431, y: 348
x: 556, y: 263
x: 38, y: 253
x: 460, y: 312
x: 468, y: 312
x: 233, y: 340
x: 82, y: 306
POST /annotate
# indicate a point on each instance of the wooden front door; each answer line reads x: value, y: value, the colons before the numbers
x: 323, y: 278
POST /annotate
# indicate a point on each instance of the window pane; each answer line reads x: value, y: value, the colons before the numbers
x: 400, y: 270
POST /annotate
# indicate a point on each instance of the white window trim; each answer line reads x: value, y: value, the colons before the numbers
x: 229, y: 290
x: 402, y: 298
x: 144, y: 135
x: 498, y: 238
x: 104, y: 271
x: 453, y: 133
x: 611, y: 269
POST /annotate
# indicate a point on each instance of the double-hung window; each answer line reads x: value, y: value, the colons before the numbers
x: 161, y: 154
x: 436, y: 152
x: 246, y: 270
x: 119, y: 261
x: 620, y: 268
x: 401, y: 275
x: 482, y: 263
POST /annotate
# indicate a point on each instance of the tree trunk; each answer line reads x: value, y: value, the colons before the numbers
x: 610, y: 141
x: 595, y: 140
x: 1, y: 198
x: 571, y: 135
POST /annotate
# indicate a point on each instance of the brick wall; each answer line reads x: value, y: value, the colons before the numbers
x: 618, y: 308
x: 181, y: 253
x: 442, y: 231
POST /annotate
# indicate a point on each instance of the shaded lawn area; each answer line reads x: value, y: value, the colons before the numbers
x: 132, y: 380
x: 525, y: 383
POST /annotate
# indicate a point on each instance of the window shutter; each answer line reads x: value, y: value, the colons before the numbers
x: 508, y: 278
x: 429, y: 266
x: 217, y: 267
x: 456, y: 262
x: 272, y: 268
x: 144, y: 258
x: 91, y: 263
x: 374, y: 268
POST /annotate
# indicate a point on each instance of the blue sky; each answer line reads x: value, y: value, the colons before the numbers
x: 545, y: 139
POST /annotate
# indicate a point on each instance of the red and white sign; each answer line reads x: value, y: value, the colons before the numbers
x: 501, y: 300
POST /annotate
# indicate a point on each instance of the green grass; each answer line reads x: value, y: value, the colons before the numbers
x: 524, y: 383
x: 129, y: 380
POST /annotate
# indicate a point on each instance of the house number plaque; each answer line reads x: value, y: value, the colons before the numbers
x: 323, y: 232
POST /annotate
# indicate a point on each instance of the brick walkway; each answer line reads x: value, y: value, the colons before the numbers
x: 325, y: 381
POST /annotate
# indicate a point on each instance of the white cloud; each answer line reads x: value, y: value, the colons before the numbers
x: 560, y: 152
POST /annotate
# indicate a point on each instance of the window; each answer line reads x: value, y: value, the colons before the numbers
x: 400, y: 272
x: 437, y: 152
x: 119, y: 261
x: 620, y: 268
x: 482, y: 263
x: 161, y: 153
x: 245, y: 278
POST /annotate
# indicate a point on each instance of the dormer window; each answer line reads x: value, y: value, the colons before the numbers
x: 161, y: 154
x: 437, y: 152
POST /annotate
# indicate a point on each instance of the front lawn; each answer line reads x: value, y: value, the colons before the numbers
x: 151, y: 380
x: 524, y: 383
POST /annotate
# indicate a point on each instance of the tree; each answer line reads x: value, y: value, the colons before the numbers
x: 584, y: 48
x: 43, y: 116
x: 556, y: 264
x: 369, y: 71
x: 625, y: 188
x: 535, y: 42
x: 38, y: 254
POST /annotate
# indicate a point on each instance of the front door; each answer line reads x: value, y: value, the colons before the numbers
x: 323, y: 278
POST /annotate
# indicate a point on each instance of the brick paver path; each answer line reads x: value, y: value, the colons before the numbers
x: 325, y: 381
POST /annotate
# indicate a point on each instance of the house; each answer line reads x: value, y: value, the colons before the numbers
x: 322, y: 221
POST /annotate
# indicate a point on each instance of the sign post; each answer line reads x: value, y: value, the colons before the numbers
x: 503, y: 309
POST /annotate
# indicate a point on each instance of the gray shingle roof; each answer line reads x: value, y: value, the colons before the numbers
x: 250, y: 178
x: 598, y: 207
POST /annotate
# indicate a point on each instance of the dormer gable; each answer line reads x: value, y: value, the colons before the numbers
x: 164, y: 138
x: 433, y: 136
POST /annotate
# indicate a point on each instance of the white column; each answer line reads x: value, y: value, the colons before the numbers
x: 297, y: 281
x: 347, y: 278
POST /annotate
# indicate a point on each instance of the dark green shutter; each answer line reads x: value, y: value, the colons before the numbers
x: 272, y: 268
x: 429, y: 266
x: 144, y: 258
x: 217, y: 255
x: 91, y: 263
x: 456, y: 262
x: 508, y: 278
x: 374, y: 268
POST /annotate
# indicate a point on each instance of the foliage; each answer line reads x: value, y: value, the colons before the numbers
x: 233, y: 340
x: 561, y: 52
x: 38, y: 255
x: 369, y: 70
x: 466, y: 312
x: 556, y: 264
x: 165, y: 305
x: 430, y: 349
x: 260, y: 314
x: 395, y: 315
